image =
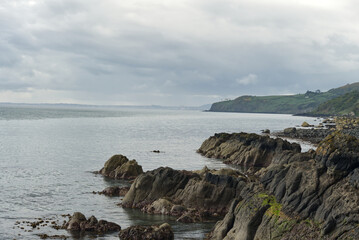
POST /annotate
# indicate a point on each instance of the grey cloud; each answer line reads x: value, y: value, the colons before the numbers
x: 155, y: 52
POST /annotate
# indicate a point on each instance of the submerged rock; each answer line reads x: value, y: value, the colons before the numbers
x: 114, y: 191
x: 162, y: 232
x: 119, y: 167
x: 78, y: 222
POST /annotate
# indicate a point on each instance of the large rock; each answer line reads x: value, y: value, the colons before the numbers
x: 156, y: 184
x: 78, y: 222
x: 309, y: 195
x: 339, y: 152
x: 189, y: 195
x: 248, y: 150
x: 119, y: 167
x: 162, y: 232
x: 305, y: 124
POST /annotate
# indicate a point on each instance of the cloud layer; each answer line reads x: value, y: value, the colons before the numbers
x: 188, y: 52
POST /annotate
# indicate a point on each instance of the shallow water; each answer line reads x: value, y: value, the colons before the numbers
x: 47, y: 155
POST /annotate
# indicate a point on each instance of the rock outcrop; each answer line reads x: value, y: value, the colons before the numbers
x: 119, y: 167
x: 162, y: 232
x: 191, y: 196
x: 248, y: 150
x: 311, y: 135
x: 78, y: 222
x: 311, y: 195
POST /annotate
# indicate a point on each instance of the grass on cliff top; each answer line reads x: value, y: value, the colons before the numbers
x: 292, y: 104
x: 342, y: 105
x: 299, y: 103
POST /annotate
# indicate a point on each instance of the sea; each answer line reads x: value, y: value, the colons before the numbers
x: 48, y: 155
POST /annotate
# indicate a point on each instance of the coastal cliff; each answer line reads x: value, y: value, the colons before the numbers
x: 311, y: 195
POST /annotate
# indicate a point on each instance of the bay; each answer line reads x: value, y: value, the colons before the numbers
x: 47, y: 155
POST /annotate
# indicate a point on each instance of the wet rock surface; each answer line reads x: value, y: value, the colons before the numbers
x: 162, y: 232
x: 248, y: 150
x: 119, y: 167
x: 309, y: 195
x: 78, y: 222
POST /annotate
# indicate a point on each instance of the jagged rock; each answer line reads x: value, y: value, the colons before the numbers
x: 224, y: 226
x: 162, y: 232
x: 160, y: 190
x: 119, y: 167
x: 339, y: 152
x: 223, y: 171
x: 156, y: 184
x: 248, y: 150
x: 78, y: 222
x: 309, y: 195
x: 112, y: 163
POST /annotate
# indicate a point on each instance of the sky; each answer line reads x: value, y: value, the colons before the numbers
x: 188, y: 52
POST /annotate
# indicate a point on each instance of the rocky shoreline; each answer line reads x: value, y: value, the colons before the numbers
x: 315, y: 134
x: 283, y: 194
x: 311, y: 135
x: 310, y: 195
x: 293, y: 195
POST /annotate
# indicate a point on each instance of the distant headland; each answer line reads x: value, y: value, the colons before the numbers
x: 339, y: 101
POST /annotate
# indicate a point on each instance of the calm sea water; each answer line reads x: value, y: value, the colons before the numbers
x: 47, y: 155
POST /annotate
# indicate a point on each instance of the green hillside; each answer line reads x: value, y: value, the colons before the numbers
x: 342, y: 105
x: 290, y: 104
x: 345, y: 89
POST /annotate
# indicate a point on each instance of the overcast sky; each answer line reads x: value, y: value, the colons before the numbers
x: 188, y: 52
